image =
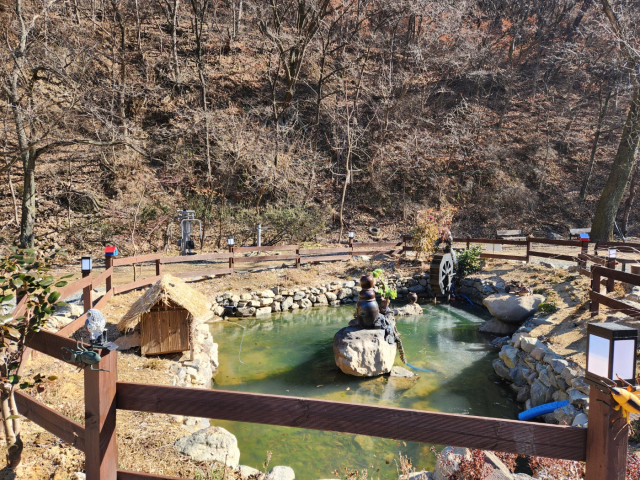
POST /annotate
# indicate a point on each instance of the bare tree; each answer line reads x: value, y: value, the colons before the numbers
x: 609, y: 202
x: 290, y: 25
x: 200, y: 10
x: 596, y: 137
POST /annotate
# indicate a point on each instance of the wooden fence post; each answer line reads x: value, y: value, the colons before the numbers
x: 607, y: 438
x: 298, y: 261
x: 101, y: 451
x: 108, y: 263
x: 468, y: 242
x: 87, y: 297
x: 582, y: 259
x: 158, y: 268
x: 231, y: 264
x: 611, y: 263
x: 595, y: 286
x: 528, y: 248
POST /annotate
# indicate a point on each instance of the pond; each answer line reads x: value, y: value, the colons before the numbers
x: 292, y: 354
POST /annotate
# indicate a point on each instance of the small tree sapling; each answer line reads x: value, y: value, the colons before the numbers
x: 23, y: 274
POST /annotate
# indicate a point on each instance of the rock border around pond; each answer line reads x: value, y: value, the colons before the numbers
x: 281, y: 299
x: 538, y: 376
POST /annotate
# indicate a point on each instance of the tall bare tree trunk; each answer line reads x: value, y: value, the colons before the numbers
x: 27, y: 152
x: 174, y: 39
x: 605, y: 214
x: 594, y: 148
x: 632, y: 196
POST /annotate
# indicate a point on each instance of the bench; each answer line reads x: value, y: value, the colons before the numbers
x: 575, y: 232
x: 510, y: 235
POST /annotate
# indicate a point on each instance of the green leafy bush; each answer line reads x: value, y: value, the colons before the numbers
x: 384, y: 290
x: 547, y: 307
x: 469, y: 261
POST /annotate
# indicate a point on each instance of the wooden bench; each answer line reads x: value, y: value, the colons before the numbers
x: 575, y: 232
x: 510, y: 235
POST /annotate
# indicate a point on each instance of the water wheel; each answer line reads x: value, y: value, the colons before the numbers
x: 441, y: 273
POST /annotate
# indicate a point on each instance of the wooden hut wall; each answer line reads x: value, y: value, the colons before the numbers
x: 165, y: 329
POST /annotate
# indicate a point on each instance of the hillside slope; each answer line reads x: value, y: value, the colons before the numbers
x: 385, y: 106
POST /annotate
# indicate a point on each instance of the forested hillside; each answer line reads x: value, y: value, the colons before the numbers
x: 311, y: 116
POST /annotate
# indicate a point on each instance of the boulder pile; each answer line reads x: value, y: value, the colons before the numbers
x: 538, y: 376
x: 279, y: 299
x: 509, y: 312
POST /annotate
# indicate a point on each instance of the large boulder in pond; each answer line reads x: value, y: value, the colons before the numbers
x: 496, y: 327
x: 363, y: 352
x: 512, y: 308
x: 211, y: 444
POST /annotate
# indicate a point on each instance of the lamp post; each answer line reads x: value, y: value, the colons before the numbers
x: 352, y: 235
x: 611, y: 263
x: 611, y: 352
x: 86, y: 265
x: 230, y: 242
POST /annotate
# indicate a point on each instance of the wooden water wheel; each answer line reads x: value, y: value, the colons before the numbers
x: 441, y: 273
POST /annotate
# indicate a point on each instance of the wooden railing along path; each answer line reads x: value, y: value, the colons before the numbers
x: 603, y: 450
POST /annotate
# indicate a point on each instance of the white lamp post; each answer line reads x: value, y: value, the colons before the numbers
x: 85, y: 263
x: 611, y: 352
x: 612, y: 253
x: 352, y: 234
x: 230, y: 241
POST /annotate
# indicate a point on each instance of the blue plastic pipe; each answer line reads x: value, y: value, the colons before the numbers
x: 541, y: 410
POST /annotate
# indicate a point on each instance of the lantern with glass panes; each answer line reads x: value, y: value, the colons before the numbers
x: 611, y: 353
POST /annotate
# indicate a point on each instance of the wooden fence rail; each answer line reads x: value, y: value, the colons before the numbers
x: 59, y: 425
x: 597, y: 298
x: 387, y: 422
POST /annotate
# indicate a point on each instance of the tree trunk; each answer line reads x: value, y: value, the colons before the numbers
x: 604, y: 217
x: 174, y: 39
x: 594, y: 148
x: 28, y: 200
x: 629, y: 203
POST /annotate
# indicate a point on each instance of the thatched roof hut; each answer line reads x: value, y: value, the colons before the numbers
x: 166, y: 314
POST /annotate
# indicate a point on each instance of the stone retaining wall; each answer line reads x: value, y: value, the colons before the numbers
x: 537, y: 375
x: 280, y: 299
x: 477, y: 289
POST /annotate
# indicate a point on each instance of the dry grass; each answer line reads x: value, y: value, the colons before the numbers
x: 145, y: 441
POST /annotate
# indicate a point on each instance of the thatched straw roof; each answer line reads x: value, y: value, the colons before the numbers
x: 168, y: 290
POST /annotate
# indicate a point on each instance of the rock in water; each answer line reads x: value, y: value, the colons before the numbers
x: 401, y: 372
x: 363, y: 352
x: 211, y: 444
x: 496, y: 327
x: 410, y: 309
x: 281, y: 473
x: 512, y: 308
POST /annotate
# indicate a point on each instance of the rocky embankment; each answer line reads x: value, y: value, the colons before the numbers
x: 279, y: 299
x: 538, y: 376
x: 450, y: 465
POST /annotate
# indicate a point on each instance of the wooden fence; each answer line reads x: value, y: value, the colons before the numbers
x: 603, y: 450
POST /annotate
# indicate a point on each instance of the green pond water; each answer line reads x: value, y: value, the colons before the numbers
x: 292, y: 354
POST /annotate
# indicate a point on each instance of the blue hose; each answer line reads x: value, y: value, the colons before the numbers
x: 418, y: 368
x: 464, y: 296
x: 541, y: 410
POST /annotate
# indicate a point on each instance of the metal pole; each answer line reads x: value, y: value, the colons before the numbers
x: 259, y: 234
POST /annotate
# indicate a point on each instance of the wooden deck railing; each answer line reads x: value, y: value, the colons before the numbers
x: 599, y: 446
